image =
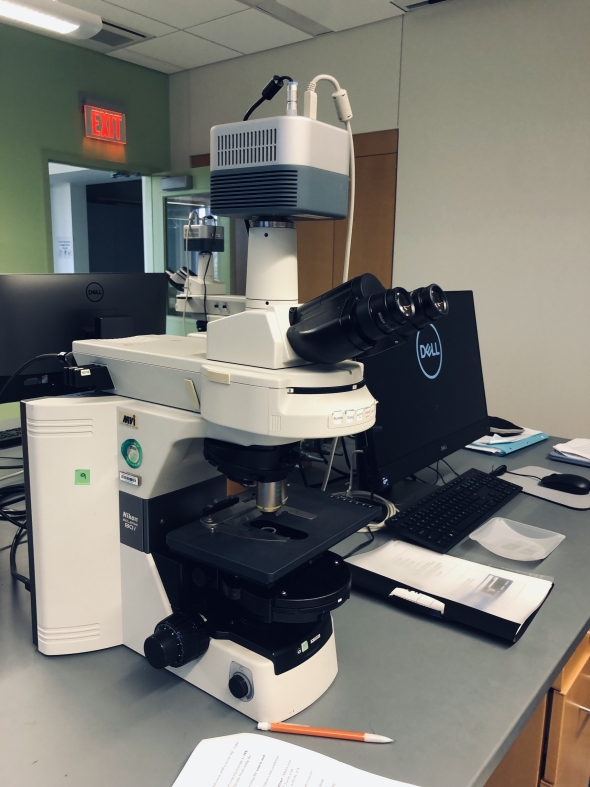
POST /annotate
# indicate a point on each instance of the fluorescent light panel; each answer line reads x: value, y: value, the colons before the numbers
x: 53, y: 16
x: 31, y: 17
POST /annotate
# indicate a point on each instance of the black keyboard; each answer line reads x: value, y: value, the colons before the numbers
x: 11, y: 437
x: 443, y: 518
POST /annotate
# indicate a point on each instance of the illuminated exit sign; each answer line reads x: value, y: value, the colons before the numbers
x: 105, y: 124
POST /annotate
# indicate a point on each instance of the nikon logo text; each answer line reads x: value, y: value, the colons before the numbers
x: 129, y: 419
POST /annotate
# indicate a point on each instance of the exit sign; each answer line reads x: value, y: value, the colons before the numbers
x: 105, y: 124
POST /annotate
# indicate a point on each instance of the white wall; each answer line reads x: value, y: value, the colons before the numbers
x: 494, y: 191
x: 69, y: 227
x: 365, y: 60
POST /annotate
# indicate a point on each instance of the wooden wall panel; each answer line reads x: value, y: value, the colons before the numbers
x: 374, y: 218
x: 315, y: 257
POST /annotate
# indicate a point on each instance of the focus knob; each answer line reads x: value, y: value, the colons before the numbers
x: 239, y: 686
x: 176, y: 640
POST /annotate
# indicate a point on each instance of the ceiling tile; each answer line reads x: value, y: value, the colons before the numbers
x: 343, y: 14
x: 249, y: 31
x: 120, y: 16
x: 181, y: 13
x: 182, y: 49
x: 142, y: 60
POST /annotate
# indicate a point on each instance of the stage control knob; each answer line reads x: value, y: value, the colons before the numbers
x: 239, y: 686
x: 176, y: 640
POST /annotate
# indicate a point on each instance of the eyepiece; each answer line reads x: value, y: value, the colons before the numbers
x: 430, y: 303
x: 353, y: 317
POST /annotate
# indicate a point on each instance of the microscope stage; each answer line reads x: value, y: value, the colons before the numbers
x: 309, y: 524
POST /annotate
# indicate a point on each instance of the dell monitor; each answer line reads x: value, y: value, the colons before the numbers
x: 45, y: 312
x: 431, y: 398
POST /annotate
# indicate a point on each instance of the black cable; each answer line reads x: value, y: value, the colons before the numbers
x: 303, y: 476
x: 205, y: 286
x: 524, y: 475
x: 62, y: 357
x: 13, y: 569
x: 345, y: 452
x: 362, y: 545
x: 450, y: 468
x: 334, y: 469
x: 254, y: 106
x: 10, y: 467
x: 268, y: 92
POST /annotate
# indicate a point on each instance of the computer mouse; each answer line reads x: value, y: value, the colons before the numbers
x: 566, y: 482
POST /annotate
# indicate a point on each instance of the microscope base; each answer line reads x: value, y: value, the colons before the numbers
x: 274, y: 697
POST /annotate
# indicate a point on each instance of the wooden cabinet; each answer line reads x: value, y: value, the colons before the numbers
x: 553, y: 750
x: 320, y: 244
x: 567, y: 762
x: 522, y: 764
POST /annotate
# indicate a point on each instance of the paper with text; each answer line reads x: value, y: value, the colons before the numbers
x: 503, y: 593
x: 247, y: 760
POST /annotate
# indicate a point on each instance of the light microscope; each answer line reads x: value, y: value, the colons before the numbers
x: 132, y: 537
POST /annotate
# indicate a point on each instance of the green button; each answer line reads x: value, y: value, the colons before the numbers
x: 132, y: 453
x: 81, y: 477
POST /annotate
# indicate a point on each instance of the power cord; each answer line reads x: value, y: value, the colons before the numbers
x: 450, y: 468
x: 61, y: 357
x: 9, y: 496
x: 205, y: 287
x: 344, y: 112
x: 268, y: 93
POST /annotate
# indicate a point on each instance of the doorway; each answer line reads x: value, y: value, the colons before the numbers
x: 97, y: 220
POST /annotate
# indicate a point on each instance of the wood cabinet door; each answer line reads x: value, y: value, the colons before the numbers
x: 568, y: 750
x: 522, y: 763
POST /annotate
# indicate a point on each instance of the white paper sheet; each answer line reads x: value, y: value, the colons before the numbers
x: 502, y: 593
x: 498, y: 439
x: 577, y: 448
x: 247, y: 760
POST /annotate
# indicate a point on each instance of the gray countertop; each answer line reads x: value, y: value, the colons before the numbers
x: 452, y: 699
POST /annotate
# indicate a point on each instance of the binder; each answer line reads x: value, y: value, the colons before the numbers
x: 502, y: 449
x: 382, y: 582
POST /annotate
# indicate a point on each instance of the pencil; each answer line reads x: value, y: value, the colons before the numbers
x: 320, y: 732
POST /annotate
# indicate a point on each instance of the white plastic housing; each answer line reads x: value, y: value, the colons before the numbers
x: 276, y: 697
x: 292, y: 140
x: 272, y: 267
x: 75, y: 527
x: 248, y: 405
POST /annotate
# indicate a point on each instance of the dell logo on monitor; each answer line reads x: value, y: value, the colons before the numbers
x: 429, y: 351
x: 94, y: 292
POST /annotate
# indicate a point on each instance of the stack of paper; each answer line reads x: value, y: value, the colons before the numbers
x: 577, y: 452
x: 502, y: 445
x: 247, y: 760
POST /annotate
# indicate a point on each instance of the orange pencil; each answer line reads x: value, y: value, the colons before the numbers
x: 301, y: 729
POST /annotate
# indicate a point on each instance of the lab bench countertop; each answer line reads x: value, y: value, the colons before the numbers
x: 454, y: 700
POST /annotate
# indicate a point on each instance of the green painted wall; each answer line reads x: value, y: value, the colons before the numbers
x: 40, y: 121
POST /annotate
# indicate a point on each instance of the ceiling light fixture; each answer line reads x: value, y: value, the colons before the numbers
x: 51, y: 15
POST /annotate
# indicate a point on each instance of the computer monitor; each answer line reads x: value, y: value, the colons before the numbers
x: 45, y: 312
x: 431, y: 398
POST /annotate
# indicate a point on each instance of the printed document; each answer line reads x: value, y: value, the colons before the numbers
x: 506, y: 594
x: 579, y: 448
x: 248, y: 760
